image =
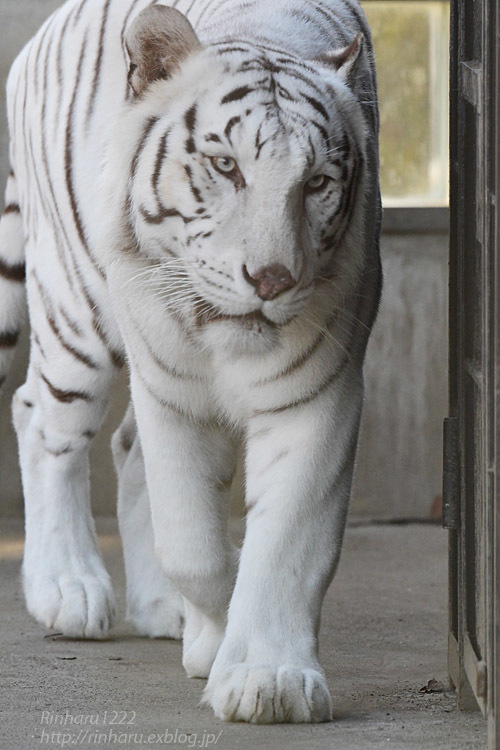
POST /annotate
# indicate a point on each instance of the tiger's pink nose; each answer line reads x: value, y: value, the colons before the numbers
x: 270, y: 280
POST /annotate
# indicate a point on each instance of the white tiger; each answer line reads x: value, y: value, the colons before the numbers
x: 228, y: 249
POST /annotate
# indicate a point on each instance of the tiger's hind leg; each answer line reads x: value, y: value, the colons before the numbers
x: 56, y: 414
x: 154, y: 606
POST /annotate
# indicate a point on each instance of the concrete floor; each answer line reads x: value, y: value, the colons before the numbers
x: 383, y: 638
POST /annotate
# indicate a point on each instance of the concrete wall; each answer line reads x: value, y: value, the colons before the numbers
x: 399, y: 460
x: 400, y: 453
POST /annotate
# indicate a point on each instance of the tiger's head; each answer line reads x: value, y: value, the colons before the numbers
x: 245, y: 175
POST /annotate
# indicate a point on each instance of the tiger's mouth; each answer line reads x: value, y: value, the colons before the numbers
x: 250, y: 321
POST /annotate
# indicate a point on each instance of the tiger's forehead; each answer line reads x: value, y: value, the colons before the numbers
x: 244, y: 56
x: 272, y: 94
x: 283, y: 75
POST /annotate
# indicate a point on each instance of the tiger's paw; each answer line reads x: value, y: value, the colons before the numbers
x: 199, y: 655
x: 262, y: 694
x: 79, y: 606
x: 159, y: 616
x: 202, y: 637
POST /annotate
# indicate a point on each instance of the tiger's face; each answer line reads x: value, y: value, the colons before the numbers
x: 243, y: 187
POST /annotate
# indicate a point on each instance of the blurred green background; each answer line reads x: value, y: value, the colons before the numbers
x: 411, y: 49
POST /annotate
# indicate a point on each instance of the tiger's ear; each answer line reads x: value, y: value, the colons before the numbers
x: 158, y: 42
x: 343, y: 60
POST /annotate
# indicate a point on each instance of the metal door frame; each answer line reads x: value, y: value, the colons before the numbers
x: 471, y: 486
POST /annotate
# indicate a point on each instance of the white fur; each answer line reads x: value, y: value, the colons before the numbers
x: 135, y: 257
x: 153, y: 605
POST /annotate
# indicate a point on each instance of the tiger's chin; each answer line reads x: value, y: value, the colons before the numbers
x: 251, y: 333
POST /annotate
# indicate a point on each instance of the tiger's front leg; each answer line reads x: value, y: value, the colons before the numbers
x: 188, y: 464
x: 299, y: 471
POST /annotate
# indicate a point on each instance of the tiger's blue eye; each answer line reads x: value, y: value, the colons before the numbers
x: 225, y: 164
